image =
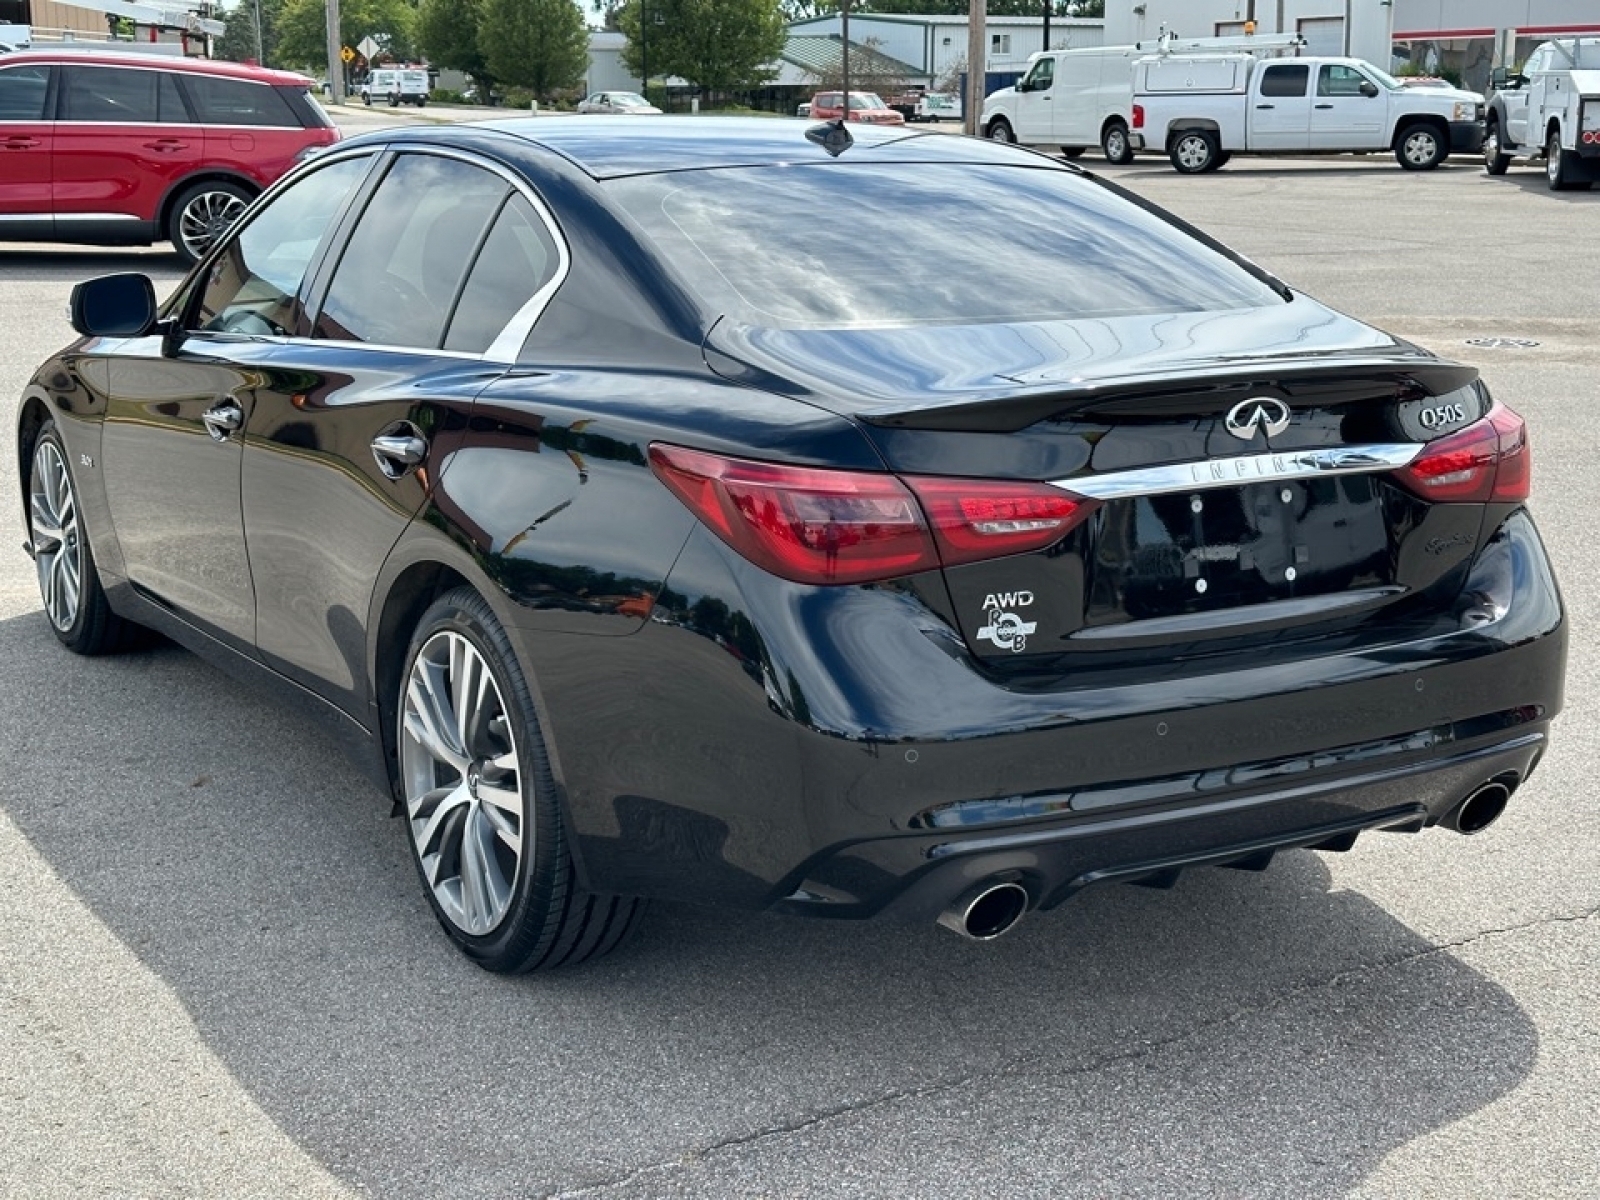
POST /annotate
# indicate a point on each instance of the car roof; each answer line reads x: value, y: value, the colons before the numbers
x: 602, y: 150
x: 163, y: 62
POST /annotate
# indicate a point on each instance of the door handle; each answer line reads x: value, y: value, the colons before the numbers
x: 165, y: 145
x: 1266, y: 106
x: 222, y: 419
x: 396, y: 453
x: 1324, y: 106
x: 21, y: 143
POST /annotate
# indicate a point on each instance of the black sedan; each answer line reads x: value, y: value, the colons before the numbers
x: 740, y: 513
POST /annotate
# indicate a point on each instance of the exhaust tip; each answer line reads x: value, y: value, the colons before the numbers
x: 987, y: 911
x: 1481, y: 809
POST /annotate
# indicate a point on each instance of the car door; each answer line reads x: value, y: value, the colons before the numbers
x: 1343, y: 117
x: 1532, y: 95
x: 337, y: 466
x: 1280, y: 107
x: 26, y: 141
x: 172, y: 440
x: 1036, y: 102
x: 123, y: 138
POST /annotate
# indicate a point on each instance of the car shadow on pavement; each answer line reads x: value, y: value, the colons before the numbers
x: 77, y: 263
x: 1243, y: 1034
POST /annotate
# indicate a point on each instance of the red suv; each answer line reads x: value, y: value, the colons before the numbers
x: 125, y: 149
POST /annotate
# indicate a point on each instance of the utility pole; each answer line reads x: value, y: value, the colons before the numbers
x: 1048, y: 5
x: 844, y: 55
x: 977, y: 62
x: 335, y: 60
x: 261, y: 50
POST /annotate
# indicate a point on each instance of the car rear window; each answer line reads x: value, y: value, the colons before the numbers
x: 238, y: 102
x: 850, y: 245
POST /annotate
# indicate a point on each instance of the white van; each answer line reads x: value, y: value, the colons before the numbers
x: 1068, y: 98
x: 397, y: 85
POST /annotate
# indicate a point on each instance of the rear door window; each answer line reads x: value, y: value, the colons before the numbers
x: 114, y: 96
x: 238, y: 102
x: 22, y: 92
x: 1287, y: 80
x: 516, y: 260
x: 397, y: 281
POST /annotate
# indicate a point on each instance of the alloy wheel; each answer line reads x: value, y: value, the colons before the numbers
x: 462, y: 784
x: 205, y: 218
x: 57, y: 545
x: 1421, y: 148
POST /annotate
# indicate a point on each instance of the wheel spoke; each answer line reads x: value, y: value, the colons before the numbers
x: 429, y: 718
x: 485, y: 894
x: 53, y: 531
x: 432, y: 811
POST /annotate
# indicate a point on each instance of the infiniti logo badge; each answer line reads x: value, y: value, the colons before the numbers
x: 1258, y: 412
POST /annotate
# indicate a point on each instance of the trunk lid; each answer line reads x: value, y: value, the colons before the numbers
x: 1245, y: 467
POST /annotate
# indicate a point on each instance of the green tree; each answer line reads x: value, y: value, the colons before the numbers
x: 302, y: 29
x: 238, y: 40
x: 447, y: 35
x: 717, y: 45
x: 542, y: 45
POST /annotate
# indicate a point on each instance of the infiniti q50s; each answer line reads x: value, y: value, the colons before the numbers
x: 648, y: 536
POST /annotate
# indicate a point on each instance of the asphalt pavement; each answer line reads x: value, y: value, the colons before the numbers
x: 219, y: 977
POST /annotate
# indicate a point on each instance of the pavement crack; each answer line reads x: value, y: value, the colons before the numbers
x: 1017, y: 1064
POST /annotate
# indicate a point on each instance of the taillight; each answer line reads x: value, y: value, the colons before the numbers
x: 1488, y: 461
x: 802, y: 523
x: 1138, y: 116
x: 975, y: 519
x: 821, y: 526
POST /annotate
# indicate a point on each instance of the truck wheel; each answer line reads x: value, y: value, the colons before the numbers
x: 1419, y: 147
x: 1495, y: 161
x: 1114, y: 144
x: 1000, y: 130
x: 1194, y: 151
x: 422, y: 101
x: 366, y: 98
x: 1559, y: 166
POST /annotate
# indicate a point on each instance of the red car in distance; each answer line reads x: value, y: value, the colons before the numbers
x: 110, y: 148
x: 864, y: 106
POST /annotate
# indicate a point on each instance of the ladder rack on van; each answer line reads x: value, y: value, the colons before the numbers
x: 1169, y: 43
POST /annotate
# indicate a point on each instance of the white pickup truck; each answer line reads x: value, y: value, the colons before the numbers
x: 1550, y: 108
x: 1202, y: 110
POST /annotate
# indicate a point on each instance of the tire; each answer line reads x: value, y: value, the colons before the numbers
x: 1114, y: 144
x: 1194, y: 152
x: 394, y: 100
x: 1420, y: 147
x: 69, y: 583
x: 1071, y: 152
x: 1558, y: 167
x: 490, y: 790
x: 202, y: 214
x: 1000, y: 130
x: 1223, y: 157
x: 1494, y: 161
x: 422, y: 102
x: 366, y: 98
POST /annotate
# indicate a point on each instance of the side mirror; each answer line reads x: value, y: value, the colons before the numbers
x: 114, y: 306
x: 1024, y: 85
x: 1498, y: 77
x: 1368, y: 88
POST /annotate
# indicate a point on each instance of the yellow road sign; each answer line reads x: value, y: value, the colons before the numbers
x: 347, y: 54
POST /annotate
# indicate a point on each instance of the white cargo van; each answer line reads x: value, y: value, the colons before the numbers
x: 1068, y: 98
x: 396, y: 85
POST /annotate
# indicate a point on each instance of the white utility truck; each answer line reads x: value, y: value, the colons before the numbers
x: 1550, y: 108
x: 1076, y: 99
x: 1203, y: 109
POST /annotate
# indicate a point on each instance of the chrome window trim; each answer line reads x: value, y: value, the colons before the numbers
x: 1212, y: 473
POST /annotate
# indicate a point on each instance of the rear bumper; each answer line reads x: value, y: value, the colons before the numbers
x: 837, y: 752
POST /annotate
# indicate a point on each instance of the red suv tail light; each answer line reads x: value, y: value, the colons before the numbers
x: 1488, y: 461
x: 820, y: 526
